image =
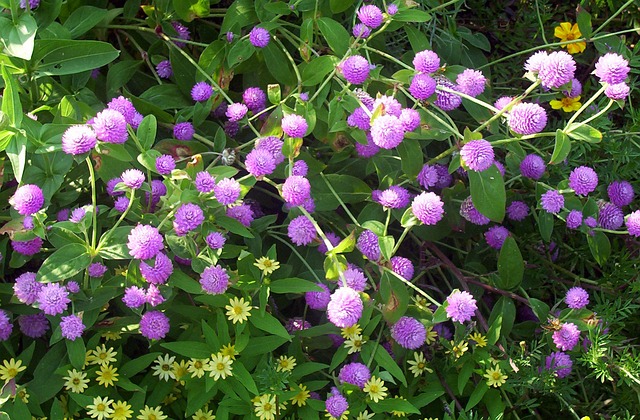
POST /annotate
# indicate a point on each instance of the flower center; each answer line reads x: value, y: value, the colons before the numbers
x: 198, y: 365
x: 100, y: 407
x: 166, y: 368
x: 237, y: 310
x: 220, y: 366
x: 267, y: 407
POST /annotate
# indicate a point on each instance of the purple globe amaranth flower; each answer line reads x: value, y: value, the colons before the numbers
x: 205, y: 183
x: 355, y: 69
x: 517, y: 211
x: 446, y: 101
x: 124, y: 106
x: 428, y: 208
x: 390, y: 105
x: 333, y: 239
x: 296, y: 190
x: 242, y: 212
x: 318, y: 300
x: 574, y: 219
x: 460, y: 306
x: 387, y: 131
x: 360, y: 30
x: 183, y: 131
x: 77, y: 215
x: 336, y: 405
x: 145, y: 242
x: 617, y: 92
x: 566, y: 337
x: 409, y: 333
x: 477, y: 155
x: 552, y: 201
x: 612, y: 68
x: 260, y: 162
x: 301, y: 231
x: 576, y: 89
x: 159, y: 272
x: 153, y: 296
x: 27, y: 248
x: 402, y: 266
x: 428, y: 176
x: 620, y: 193
x: 53, y: 299
x: 33, y: 4
x: 27, y: 224
x: 368, y: 244
x: 633, y: 223
x: 426, y: 61
x: 73, y: 287
x: 557, y: 69
x: 294, y: 125
x: 201, y: 91
x: 134, y: 297
x: 26, y: 288
x: 33, y: 326
x: 78, y: 139
x: 72, y: 327
x: 296, y: 324
x: 532, y: 166
x: 111, y: 185
x: 231, y: 128
x: 534, y: 63
x: 227, y: 191
x: 394, y: 197
x: 63, y: 215
x: 354, y: 278
x: 345, y: 307
x: 502, y: 101
x: 495, y: 236
x: 422, y: 86
x: 360, y: 119
x: 590, y: 222
x: 560, y: 363
x: 273, y: 145
x: 214, y: 280
x: 133, y: 178
x: 110, y: 126
x: 236, y: 111
x: 121, y: 204
x: 259, y: 37
x: 6, y: 327
x: 610, y: 216
x: 576, y: 298
x: 527, y: 118
x: 410, y: 119
x: 583, y: 180
x: 355, y: 374
x: 471, y: 82
x: 392, y: 9
x: 183, y: 33
x: 27, y: 200
x: 300, y: 168
x: 137, y: 119
x: 254, y: 98
x: 154, y: 325
x: 371, y: 16
x: 471, y: 214
x: 164, y: 69
x: 367, y: 150
x: 188, y: 217
x: 215, y: 240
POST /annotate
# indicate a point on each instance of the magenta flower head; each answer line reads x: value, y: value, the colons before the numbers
x: 97, y: 270
x: 527, y: 118
x: 612, y: 68
x: 336, y: 405
x: 78, y: 139
x: 254, y: 98
x: 495, y: 236
x: 392, y: 9
x: 576, y: 89
x: 205, y: 183
x: 471, y: 82
x: 77, y: 215
x: 354, y: 278
x: 402, y: 266
x: 410, y: 119
x: 557, y: 69
x: 422, y: 86
x: 360, y: 30
x: 110, y: 126
x: 517, y: 211
x: 214, y: 280
x: 260, y: 162
x: 345, y: 307
x: 183, y: 33
x: 574, y: 219
x: 294, y: 125
x: 300, y: 168
x: 121, y: 204
x: 502, y: 101
x: 532, y: 166
x: 567, y: 336
x: 477, y: 155
x: 183, y: 131
x: 387, y: 131
x: 111, y: 185
x: 273, y: 145
x: 390, y: 105
x: 259, y: 37
x: 428, y: 176
x: 134, y: 297
x: 552, y: 201
x: 26, y: 288
x: 633, y: 223
x: 617, y: 92
x: 201, y: 91
x: 610, y: 216
x: 71, y: 327
x: 460, y: 306
x: 355, y: 69
x: 620, y: 193
x: 145, y: 241
x: 371, y: 16
x: 409, y: 333
x: 30, y: 247
x: 159, y: 272
x: 446, y: 101
x: 534, y: 63
x: 154, y: 325
x: 33, y: 326
x: 215, y: 240
x: 125, y: 107
x: 426, y: 61
x: 583, y: 180
x: 243, y: 213
x: 227, y: 191
x: 368, y: 244
x: 577, y: 298
x: 188, y: 217
x: 236, y: 111
x: 560, y: 363
x: 318, y: 300
x: 394, y: 197
x: 296, y: 190
x: 132, y: 178
x: 355, y: 374
x: 164, y: 69
x: 367, y: 150
x: 301, y: 231
x: 27, y: 199
x: 428, y: 208
x: 6, y: 327
x: 333, y: 239
x: 53, y: 299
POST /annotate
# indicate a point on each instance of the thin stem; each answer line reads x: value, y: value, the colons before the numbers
x: 442, y: 6
x: 613, y: 16
x: 115, y: 226
x: 295, y: 251
x: 293, y: 64
x: 94, y: 200
x: 604, y: 110
x: 389, y: 57
x: 411, y: 285
x: 585, y: 106
x: 544, y: 37
x: 470, y: 98
x: 401, y: 239
x: 346, y: 209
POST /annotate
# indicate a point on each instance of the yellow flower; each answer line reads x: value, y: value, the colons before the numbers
x: 397, y: 413
x: 22, y: 394
x: 567, y: 104
x: 458, y: 349
x: 495, y: 377
x: 350, y: 332
x: 301, y: 397
x: 203, y: 415
x: 163, y: 368
x: 121, y: 411
x: 566, y: 32
x: 180, y: 370
x: 219, y: 366
x: 197, y: 367
x: 354, y: 344
x: 11, y: 369
x: 148, y: 413
x: 107, y: 375
x: 365, y: 415
x: 286, y: 364
x: 102, y: 356
x: 480, y: 340
x: 265, y: 406
x: 75, y: 381
x: 375, y: 388
x: 238, y: 310
x: 100, y: 408
x: 267, y: 265
x: 229, y: 350
x: 418, y: 365
x: 432, y: 336
x: 111, y: 335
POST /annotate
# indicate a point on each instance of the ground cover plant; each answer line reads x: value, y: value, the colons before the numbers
x: 318, y: 209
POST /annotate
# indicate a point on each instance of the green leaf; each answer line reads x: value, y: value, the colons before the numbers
x: 411, y: 157
x: 336, y: 35
x: 583, y: 132
x: 82, y: 20
x: 600, y: 246
x: 386, y: 246
x: 345, y: 246
x: 115, y: 247
x: 147, y: 131
x: 17, y: 153
x: 167, y: 96
x: 278, y: 65
x: 333, y: 266
x: 394, y: 297
x: 393, y: 404
x: 417, y: 39
x: 55, y: 57
x: 240, y: 52
x: 339, y: 6
x: 120, y: 74
x: 349, y: 189
x: 383, y: 358
x: 584, y: 22
x: 180, y: 280
x: 510, y: 265
x: 501, y: 320
x: 11, y: 106
x: 65, y: 263
x: 234, y: 226
x: 18, y: 38
x: 464, y: 374
x: 48, y: 170
x: 561, y: 149
x: 412, y: 15
x: 545, y: 225
x: 188, y: 10
x: 263, y: 345
x: 267, y: 322
x: 539, y: 308
x: 77, y: 352
x: 138, y: 364
x: 314, y: 72
x: 242, y: 374
x: 487, y: 192
x: 293, y: 285
x: 194, y: 349
x: 476, y: 395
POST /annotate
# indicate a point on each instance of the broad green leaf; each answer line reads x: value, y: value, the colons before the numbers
x: 240, y: 14
x: 56, y: 57
x: 234, y: 226
x: 411, y: 157
x: 487, y: 192
x: 188, y: 10
x: 584, y: 22
x: 193, y: 349
x: 48, y: 170
x: 293, y: 285
x: 333, y: 266
x: 263, y: 345
x: 17, y: 152
x: 501, y: 320
x: 339, y: 6
x: 138, y: 364
x: 539, y: 308
x: 82, y: 20
x: 348, y: 188
x: 18, y: 38
x: 267, y: 322
x: 510, y: 265
x: 393, y: 404
x: 316, y: 70
x: 240, y: 52
x: 120, y: 74
x: 583, y: 132
x: 464, y: 374
x: 77, y: 352
x: 147, y: 131
x: 65, y: 263
x: 545, y: 225
x: 417, y: 39
x: 561, y: 148
x: 386, y: 246
x: 167, y: 96
x: 600, y: 246
x: 11, y: 106
x: 476, y: 395
x: 345, y: 246
x: 412, y: 15
x: 385, y: 361
x: 394, y: 297
x: 335, y: 34
x: 115, y: 246
x: 242, y: 374
x: 278, y: 64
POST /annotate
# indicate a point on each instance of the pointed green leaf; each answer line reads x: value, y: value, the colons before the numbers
x: 510, y: 265
x: 488, y: 193
x: 561, y: 149
x: 65, y: 263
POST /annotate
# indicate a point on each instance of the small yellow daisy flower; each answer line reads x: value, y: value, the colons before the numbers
x: 397, y: 413
x: 365, y: 415
x: 495, y: 377
x: 148, y: 413
x: 107, y: 375
x: 121, y: 411
x: 567, y: 104
x: 102, y: 356
x: 301, y: 397
x: 22, y: 394
x: 354, y: 344
x: 350, y: 332
x: 163, y: 367
x: 267, y: 265
x: 567, y: 32
x: 75, y: 381
x: 238, y: 310
x: 229, y: 350
x: 286, y: 364
x: 197, y: 367
x: 418, y: 365
x: 10, y: 369
x: 265, y: 407
x: 180, y: 370
x: 458, y: 349
x: 219, y: 366
x: 480, y: 340
x: 375, y: 388
x: 100, y: 409
x: 203, y: 415
x: 111, y: 335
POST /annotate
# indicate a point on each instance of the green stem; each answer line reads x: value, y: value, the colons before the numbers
x: 451, y: 126
x: 613, y: 16
x: 411, y: 285
x: 94, y: 200
x: 584, y: 106
x: 293, y: 63
x: 295, y: 251
x: 346, y: 209
x: 544, y: 37
x: 442, y: 6
x: 593, y: 117
x: 389, y: 57
x: 404, y: 233
x: 470, y: 98
x: 115, y: 226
